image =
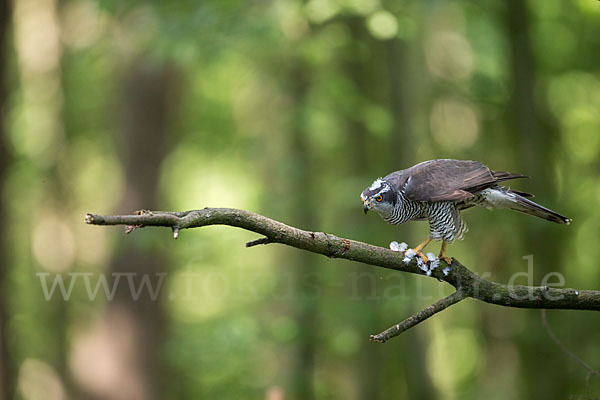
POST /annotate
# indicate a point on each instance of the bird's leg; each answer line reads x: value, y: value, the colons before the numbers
x: 420, y: 247
x: 427, y: 263
x: 443, y: 256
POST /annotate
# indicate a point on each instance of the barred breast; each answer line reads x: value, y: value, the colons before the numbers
x: 445, y: 222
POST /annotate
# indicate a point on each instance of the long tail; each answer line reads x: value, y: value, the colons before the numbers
x: 501, y: 197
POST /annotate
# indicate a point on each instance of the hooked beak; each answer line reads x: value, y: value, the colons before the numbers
x: 366, y: 206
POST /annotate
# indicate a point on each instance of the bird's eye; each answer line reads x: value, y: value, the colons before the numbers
x: 379, y: 198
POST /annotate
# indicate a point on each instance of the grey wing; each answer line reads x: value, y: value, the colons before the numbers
x: 398, y: 178
x: 444, y: 180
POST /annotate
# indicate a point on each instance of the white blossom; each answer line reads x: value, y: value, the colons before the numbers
x: 395, y: 246
x: 422, y: 265
x: 410, y: 253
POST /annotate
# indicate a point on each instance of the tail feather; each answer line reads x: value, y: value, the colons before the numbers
x: 504, y: 175
x: 529, y: 207
x: 501, y: 197
x: 524, y: 194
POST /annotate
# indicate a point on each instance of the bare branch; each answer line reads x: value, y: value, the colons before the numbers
x: 419, y: 317
x: 466, y: 282
x: 566, y: 350
x: 260, y: 241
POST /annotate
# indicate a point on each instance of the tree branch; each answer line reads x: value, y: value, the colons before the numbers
x: 466, y: 282
x: 419, y: 317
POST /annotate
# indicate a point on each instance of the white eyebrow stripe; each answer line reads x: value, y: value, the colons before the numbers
x: 376, y: 185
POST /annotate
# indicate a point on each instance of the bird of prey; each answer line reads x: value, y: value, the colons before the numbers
x: 438, y: 190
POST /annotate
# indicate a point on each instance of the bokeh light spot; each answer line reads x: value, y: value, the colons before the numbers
x: 382, y: 25
x: 53, y: 244
x: 346, y: 342
x: 319, y: 11
x: 39, y: 381
x: 454, y: 124
x: 449, y: 55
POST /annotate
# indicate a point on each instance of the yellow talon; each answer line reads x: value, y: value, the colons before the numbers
x: 419, y: 249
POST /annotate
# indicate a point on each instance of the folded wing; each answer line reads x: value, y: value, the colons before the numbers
x: 445, y: 179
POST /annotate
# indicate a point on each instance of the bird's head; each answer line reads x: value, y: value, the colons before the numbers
x: 380, y: 196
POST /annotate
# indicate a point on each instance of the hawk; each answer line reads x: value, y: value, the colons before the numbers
x: 438, y: 190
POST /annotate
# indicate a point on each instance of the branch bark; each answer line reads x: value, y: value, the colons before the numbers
x: 466, y: 282
x: 419, y: 317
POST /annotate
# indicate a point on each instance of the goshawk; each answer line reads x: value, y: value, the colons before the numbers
x: 438, y: 190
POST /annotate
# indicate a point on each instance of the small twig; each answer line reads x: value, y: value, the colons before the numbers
x: 419, y: 317
x: 131, y: 228
x: 265, y: 240
x: 568, y: 352
x: 565, y: 348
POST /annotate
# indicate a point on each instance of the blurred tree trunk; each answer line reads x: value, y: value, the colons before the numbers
x: 367, y: 370
x: 302, y: 203
x: 534, y: 149
x: 402, y: 151
x: 6, y: 366
x: 138, y: 325
x: 385, y: 83
x: 535, y: 139
x: 397, y: 61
